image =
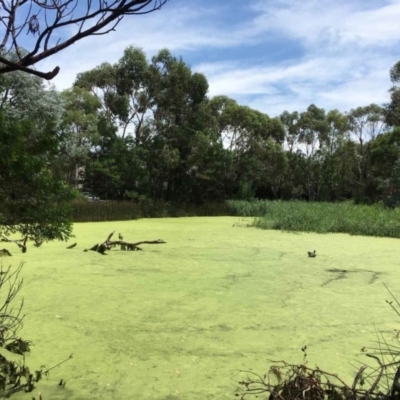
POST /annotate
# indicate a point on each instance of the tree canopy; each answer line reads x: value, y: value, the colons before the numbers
x: 33, y: 201
x: 146, y: 129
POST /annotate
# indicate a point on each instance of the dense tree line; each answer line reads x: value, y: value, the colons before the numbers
x: 146, y: 129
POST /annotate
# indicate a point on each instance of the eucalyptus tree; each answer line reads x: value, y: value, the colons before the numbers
x: 312, y: 130
x: 290, y: 123
x: 366, y: 123
x: 313, y: 140
x: 115, y: 170
x: 384, y: 152
x: 157, y: 107
x: 247, y: 136
x: 78, y: 133
x: 392, y: 114
x: 334, y: 155
x: 294, y: 186
x: 391, y: 187
x: 179, y: 117
x: 126, y: 91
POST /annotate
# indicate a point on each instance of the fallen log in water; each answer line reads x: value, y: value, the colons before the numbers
x: 108, y: 244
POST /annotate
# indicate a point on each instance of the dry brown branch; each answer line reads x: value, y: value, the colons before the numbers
x: 10, y: 318
x: 108, y: 244
x: 45, y: 20
x: 21, y: 243
x: 31, y: 379
x: 302, y: 382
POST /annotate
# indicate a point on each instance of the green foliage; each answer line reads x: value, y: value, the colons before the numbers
x: 321, y: 217
x: 27, y: 98
x: 393, y: 108
x: 145, y: 129
x: 32, y: 201
x: 77, y: 133
x: 391, y: 187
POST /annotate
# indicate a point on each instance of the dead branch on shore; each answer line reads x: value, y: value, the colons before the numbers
x: 23, y: 371
x: 10, y: 319
x: 286, y: 381
x: 21, y: 243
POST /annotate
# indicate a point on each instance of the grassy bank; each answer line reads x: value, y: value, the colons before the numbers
x: 321, y: 217
x: 178, y: 320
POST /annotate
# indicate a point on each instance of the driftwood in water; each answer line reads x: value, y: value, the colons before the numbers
x: 21, y: 243
x: 103, y: 247
x: 135, y: 246
x: 108, y: 244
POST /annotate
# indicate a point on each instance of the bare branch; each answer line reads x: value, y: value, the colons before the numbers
x: 45, y: 19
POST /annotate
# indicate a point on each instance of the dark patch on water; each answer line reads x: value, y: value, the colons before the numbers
x: 235, y: 278
x: 343, y: 274
x: 374, y: 278
x: 222, y: 327
x: 169, y: 397
x: 263, y: 327
x: 281, y: 254
x: 147, y: 270
x: 339, y: 270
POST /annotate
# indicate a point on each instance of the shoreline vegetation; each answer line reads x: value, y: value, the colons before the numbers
x: 297, y: 216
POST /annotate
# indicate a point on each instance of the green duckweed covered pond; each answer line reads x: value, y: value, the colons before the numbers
x: 179, y: 320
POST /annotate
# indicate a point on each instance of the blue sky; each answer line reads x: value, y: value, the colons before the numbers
x: 272, y: 55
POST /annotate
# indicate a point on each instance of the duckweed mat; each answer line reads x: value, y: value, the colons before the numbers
x: 179, y: 320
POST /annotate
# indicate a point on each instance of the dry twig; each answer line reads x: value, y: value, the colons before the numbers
x: 42, y: 20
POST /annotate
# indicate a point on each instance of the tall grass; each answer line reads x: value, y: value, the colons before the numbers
x: 98, y: 211
x: 300, y: 216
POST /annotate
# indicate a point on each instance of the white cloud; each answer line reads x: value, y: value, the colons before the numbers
x: 176, y: 29
x: 348, y: 54
x: 326, y: 81
x: 340, y: 23
x: 348, y: 49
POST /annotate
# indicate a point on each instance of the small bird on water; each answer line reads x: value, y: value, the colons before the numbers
x: 120, y: 237
x: 312, y: 254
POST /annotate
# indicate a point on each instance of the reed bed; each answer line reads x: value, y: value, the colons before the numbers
x: 346, y: 217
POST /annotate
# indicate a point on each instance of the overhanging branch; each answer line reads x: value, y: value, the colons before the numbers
x: 45, y: 18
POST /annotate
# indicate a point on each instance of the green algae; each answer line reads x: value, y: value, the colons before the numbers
x: 179, y: 320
